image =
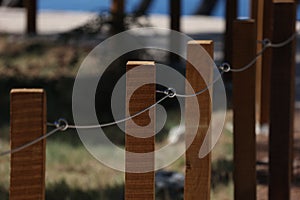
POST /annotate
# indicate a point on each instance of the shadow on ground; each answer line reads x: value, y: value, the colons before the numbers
x: 62, y: 191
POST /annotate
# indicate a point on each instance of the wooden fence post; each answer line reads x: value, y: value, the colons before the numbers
x: 244, y: 50
x: 266, y: 63
x: 198, y: 171
x: 31, y: 9
x: 257, y: 12
x: 231, y: 15
x: 28, y: 122
x: 140, y: 185
x: 175, y: 13
x: 282, y: 101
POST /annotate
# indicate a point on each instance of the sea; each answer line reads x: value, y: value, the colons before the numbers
x: 157, y: 7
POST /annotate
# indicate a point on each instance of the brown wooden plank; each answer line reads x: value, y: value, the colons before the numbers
x: 257, y: 13
x: 198, y: 171
x: 27, y: 178
x: 140, y: 185
x: 283, y: 1
x: 266, y: 63
x: 244, y: 50
x: 31, y: 10
x: 175, y: 14
x: 231, y: 15
x: 282, y: 103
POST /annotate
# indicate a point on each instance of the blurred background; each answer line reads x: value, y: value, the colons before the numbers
x: 48, y: 53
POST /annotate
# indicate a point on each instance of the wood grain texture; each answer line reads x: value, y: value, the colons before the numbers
x: 244, y: 50
x: 198, y: 171
x: 257, y: 13
x: 282, y: 103
x: 140, y: 186
x: 266, y: 63
x: 28, y: 122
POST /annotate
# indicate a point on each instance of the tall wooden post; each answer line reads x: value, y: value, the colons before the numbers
x: 28, y: 122
x: 31, y: 10
x: 140, y: 136
x: 282, y: 101
x: 175, y: 13
x: 244, y: 50
x: 257, y: 13
x: 231, y: 15
x: 118, y: 14
x: 198, y: 170
x: 266, y: 63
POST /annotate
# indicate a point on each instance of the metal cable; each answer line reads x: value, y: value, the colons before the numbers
x: 170, y: 92
x: 62, y: 124
x: 31, y: 142
x: 252, y: 62
x: 282, y: 44
x: 203, y: 90
x: 118, y: 121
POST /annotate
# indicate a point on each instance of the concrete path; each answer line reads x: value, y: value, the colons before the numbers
x: 49, y: 22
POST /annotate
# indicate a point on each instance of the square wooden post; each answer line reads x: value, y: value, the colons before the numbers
x: 244, y: 50
x: 175, y: 14
x: 257, y: 13
x: 140, y: 133
x: 28, y: 122
x: 31, y: 10
x: 282, y: 101
x: 266, y: 63
x: 231, y: 15
x: 198, y: 170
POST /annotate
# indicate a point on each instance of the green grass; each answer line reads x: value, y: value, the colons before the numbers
x: 71, y: 172
x: 24, y: 57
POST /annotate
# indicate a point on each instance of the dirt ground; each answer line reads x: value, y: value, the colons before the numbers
x: 262, y: 167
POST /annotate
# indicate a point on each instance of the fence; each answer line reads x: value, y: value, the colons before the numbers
x: 28, y: 120
x: 117, y: 11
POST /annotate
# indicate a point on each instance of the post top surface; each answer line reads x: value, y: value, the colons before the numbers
x: 24, y: 90
x: 135, y: 63
x: 200, y: 42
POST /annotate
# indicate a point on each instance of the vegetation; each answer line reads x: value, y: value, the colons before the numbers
x: 71, y: 172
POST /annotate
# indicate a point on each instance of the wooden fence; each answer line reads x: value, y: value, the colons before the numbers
x: 28, y: 121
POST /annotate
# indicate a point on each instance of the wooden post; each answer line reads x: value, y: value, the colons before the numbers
x: 231, y: 15
x: 140, y: 185
x: 282, y: 101
x: 31, y: 9
x: 198, y: 171
x: 266, y: 63
x: 244, y: 50
x: 28, y: 122
x: 117, y: 11
x: 175, y: 13
x: 257, y: 13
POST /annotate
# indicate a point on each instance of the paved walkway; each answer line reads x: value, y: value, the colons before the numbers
x: 49, y: 22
